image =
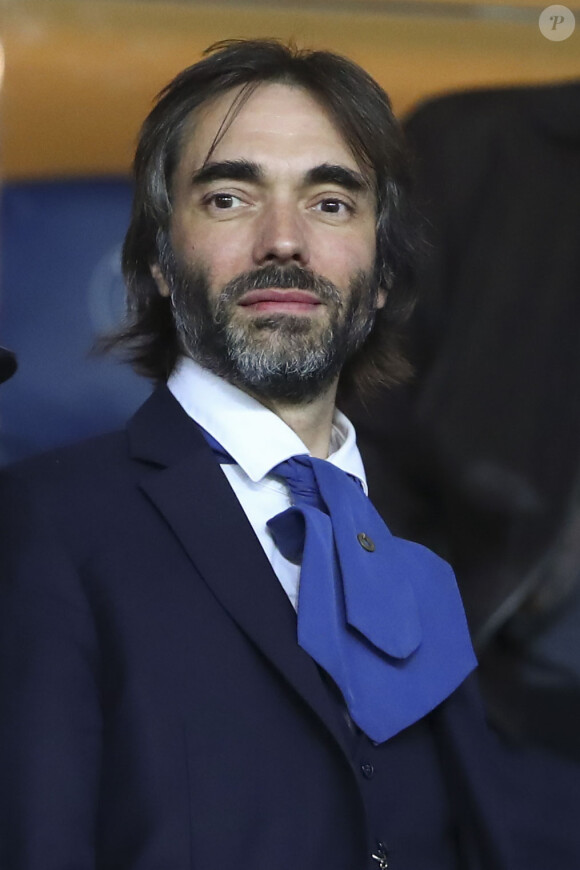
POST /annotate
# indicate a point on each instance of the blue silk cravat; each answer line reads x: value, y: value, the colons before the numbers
x: 381, y: 615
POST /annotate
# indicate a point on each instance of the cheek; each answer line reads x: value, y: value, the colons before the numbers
x: 221, y: 249
x: 345, y: 256
x: 182, y: 242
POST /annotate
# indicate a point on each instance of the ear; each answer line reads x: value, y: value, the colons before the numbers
x: 381, y: 298
x: 160, y: 280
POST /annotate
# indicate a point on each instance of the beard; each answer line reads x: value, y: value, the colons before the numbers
x: 280, y: 357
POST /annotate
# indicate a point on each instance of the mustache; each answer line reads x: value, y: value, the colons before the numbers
x: 278, y: 277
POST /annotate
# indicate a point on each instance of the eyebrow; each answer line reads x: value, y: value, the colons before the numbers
x: 232, y: 170
x: 333, y: 173
x: 246, y: 170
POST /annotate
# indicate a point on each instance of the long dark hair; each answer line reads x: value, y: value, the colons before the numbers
x: 362, y: 113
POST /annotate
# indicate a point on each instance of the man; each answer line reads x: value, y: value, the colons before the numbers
x: 165, y: 707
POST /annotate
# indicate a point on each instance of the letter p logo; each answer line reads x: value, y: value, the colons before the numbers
x: 557, y: 23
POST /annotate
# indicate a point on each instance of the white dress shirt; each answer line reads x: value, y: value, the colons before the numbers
x: 257, y: 439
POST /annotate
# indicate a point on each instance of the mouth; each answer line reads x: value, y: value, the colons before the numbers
x: 289, y: 301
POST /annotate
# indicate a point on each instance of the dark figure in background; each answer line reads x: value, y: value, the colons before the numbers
x: 8, y: 364
x: 479, y: 457
x: 163, y: 703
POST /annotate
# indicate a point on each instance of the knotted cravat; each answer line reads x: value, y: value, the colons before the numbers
x: 381, y: 615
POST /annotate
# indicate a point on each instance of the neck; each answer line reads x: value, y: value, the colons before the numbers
x: 312, y: 421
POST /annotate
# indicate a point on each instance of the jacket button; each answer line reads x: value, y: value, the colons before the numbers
x: 381, y: 856
x: 366, y: 543
x: 367, y: 770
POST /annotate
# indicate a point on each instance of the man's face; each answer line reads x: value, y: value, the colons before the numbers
x: 271, y: 262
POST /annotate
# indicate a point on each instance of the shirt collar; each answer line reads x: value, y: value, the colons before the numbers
x: 255, y: 437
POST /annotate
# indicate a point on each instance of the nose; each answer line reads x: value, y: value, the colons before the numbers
x: 281, y: 236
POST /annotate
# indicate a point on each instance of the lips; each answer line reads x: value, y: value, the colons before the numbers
x: 295, y: 301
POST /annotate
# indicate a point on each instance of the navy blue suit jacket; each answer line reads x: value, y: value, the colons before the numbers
x: 158, y: 713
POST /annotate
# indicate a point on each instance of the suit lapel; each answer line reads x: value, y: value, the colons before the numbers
x: 187, y: 486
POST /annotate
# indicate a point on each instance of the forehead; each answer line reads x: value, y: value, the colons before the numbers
x: 279, y: 126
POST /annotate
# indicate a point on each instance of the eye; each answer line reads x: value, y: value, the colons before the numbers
x: 223, y: 201
x: 334, y: 206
